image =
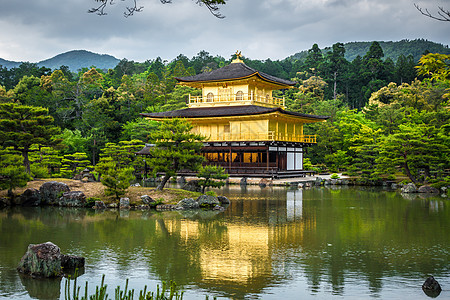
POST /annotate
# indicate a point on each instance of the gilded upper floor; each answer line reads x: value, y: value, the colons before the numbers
x: 244, y: 123
x: 236, y: 84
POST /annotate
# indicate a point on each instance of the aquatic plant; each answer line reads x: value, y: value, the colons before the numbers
x: 167, y: 291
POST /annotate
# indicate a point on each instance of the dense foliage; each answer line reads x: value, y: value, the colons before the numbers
x: 385, y: 117
x: 176, y: 149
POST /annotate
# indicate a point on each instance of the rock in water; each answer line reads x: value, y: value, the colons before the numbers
x: 41, y: 260
x: 223, y: 200
x: 72, y: 262
x: 431, y: 287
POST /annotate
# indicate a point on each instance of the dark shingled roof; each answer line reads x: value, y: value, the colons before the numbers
x: 233, y: 71
x: 224, y: 111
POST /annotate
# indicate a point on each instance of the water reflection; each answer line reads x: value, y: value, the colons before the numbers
x: 321, y: 241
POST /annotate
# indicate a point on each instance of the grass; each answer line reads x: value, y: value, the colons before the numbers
x: 97, y: 190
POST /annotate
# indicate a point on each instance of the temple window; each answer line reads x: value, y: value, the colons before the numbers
x: 210, y: 97
x: 239, y: 96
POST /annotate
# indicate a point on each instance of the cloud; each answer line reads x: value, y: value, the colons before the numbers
x: 261, y: 29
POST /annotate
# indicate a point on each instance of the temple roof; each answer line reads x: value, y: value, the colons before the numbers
x: 234, y: 71
x: 226, y: 111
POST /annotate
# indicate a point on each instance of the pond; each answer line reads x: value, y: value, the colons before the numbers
x: 271, y: 243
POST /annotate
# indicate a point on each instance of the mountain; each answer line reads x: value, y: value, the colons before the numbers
x: 78, y: 59
x: 75, y: 60
x: 391, y: 49
x: 9, y: 64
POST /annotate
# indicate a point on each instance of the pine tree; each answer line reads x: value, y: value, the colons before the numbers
x: 176, y: 148
x: 213, y: 176
x: 22, y: 126
x: 12, y: 171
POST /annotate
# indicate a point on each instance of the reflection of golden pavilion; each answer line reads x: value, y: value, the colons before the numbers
x: 241, y: 254
x: 248, y: 129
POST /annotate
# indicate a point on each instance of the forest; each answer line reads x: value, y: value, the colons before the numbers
x: 387, y: 118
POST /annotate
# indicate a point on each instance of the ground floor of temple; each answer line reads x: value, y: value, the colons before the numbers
x: 272, y: 159
x: 259, y: 159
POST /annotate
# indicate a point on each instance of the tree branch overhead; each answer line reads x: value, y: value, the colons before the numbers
x: 212, y: 5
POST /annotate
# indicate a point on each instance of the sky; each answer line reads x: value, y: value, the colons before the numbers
x: 35, y: 30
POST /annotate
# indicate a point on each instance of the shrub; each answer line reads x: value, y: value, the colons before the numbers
x: 91, y: 201
x: 391, y: 177
x: 334, y: 176
x: 211, y: 193
x: 38, y: 171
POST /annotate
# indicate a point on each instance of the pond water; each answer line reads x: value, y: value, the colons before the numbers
x: 271, y: 243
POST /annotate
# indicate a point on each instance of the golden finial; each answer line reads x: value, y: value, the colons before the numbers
x: 238, y: 57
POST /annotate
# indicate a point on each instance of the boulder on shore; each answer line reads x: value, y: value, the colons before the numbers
x: 51, y: 191
x: 31, y: 197
x: 428, y: 189
x: 207, y: 201
x: 124, y: 203
x: 73, y: 199
x: 41, y: 260
x: 147, y: 200
x: 409, y: 188
x: 188, y: 203
x: 99, y: 205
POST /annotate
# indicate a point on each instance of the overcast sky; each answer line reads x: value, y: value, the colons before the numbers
x: 34, y: 30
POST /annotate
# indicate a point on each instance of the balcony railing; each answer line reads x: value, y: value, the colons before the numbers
x: 261, y: 137
x: 236, y: 99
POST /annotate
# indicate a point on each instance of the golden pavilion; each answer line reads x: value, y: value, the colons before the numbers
x: 248, y: 131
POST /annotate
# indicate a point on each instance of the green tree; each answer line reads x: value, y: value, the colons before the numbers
x: 365, y: 147
x: 45, y: 161
x: 12, y: 171
x: 314, y: 59
x: 22, y: 126
x: 73, y: 164
x: 116, y: 179
x: 414, y: 148
x: 73, y: 141
x: 212, y: 176
x: 176, y: 148
x: 138, y: 129
x: 124, y: 154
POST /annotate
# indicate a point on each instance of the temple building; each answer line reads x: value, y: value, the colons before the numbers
x: 248, y: 131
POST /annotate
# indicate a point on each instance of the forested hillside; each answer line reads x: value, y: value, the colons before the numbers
x: 386, y: 118
x: 391, y: 50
